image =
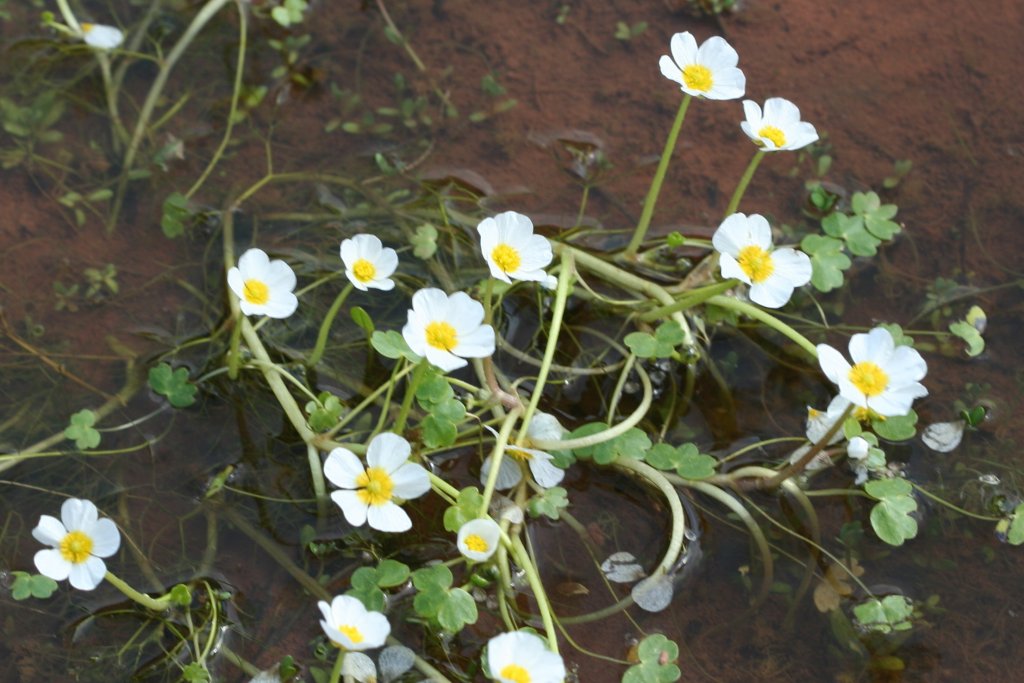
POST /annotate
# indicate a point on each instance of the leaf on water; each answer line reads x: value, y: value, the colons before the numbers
x: 622, y: 567
x: 654, y: 593
x: 395, y: 661
x: 173, y: 384
x: 943, y: 437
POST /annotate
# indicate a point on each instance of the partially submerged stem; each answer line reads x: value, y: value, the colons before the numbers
x: 741, y: 187
x: 533, y: 578
x: 155, y: 604
x: 766, y: 318
x: 658, y: 479
x: 325, y: 326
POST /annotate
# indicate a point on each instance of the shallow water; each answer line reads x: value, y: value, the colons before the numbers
x: 884, y: 82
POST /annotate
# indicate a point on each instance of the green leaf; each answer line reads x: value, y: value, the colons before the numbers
x: 827, y: 261
x: 173, y: 384
x: 899, y: 338
x: 888, y: 488
x: 176, y: 213
x: 362, y: 319
x: 391, y: 344
x: 851, y: 230
x: 897, y: 427
x: 450, y: 608
x: 440, y: 427
x: 548, y: 503
x: 1016, y: 531
x: 891, y: 520
x: 433, y: 388
x: 32, y: 586
x: 80, y: 430
x: 876, y: 215
x: 324, y: 414
x: 424, y: 241
x: 458, y: 611
x: 658, y: 656
x: 391, y: 573
x: 632, y: 444
x: 696, y: 465
x: 642, y: 344
x: 659, y: 345
x: 891, y: 613
x: 970, y: 334
x: 467, y: 506
x: 365, y: 589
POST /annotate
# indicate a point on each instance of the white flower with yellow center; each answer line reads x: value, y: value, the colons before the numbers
x: 478, y: 539
x: 368, y: 263
x: 369, y: 493
x: 779, y: 127
x: 102, y: 37
x: 263, y: 287
x: 544, y: 472
x: 447, y: 329
x: 707, y: 71
x: 884, y: 378
x: 78, y: 539
x: 511, y: 249
x: 745, y: 245
x: 521, y: 657
x: 351, y: 626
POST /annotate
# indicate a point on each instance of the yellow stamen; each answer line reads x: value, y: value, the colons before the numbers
x: 697, y: 77
x: 363, y: 270
x: 774, y: 134
x: 441, y: 335
x: 76, y: 547
x: 374, y: 486
x: 869, y: 379
x: 476, y: 543
x: 756, y: 263
x: 522, y: 456
x: 256, y: 292
x: 506, y: 258
x: 352, y: 633
x: 514, y: 672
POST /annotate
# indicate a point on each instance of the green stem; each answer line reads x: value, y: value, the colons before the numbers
x: 798, y: 466
x: 336, y: 669
x: 533, y: 578
x: 741, y: 187
x: 659, y: 177
x: 689, y: 300
x: 157, y: 605
x: 410, y: 394
x: 951, y: 506
x: 325, y: 326
x: 69, y: 16
x: 658, y: 479
x: 496, y: 456
x: 766, y: 318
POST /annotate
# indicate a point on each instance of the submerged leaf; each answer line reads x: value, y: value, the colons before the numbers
x: 654, y: 593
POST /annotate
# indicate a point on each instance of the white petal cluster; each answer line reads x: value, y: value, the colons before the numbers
x: 369, y: 493
x: 512, y: 251
x: 707, y: 71
x: 520, y: 656
x: 101, y: 36
x: 543, y: 427
x: 263, y: 287
x: 779, y: 127
x: 351, y: 626
x: 883, y: 378
x: 368, y: 263
x: 745, y: 245
x: 78, y: 540
x: 478, y: 539
x: 447, y: 329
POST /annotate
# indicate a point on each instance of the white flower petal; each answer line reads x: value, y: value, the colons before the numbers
x: 832, y: 363
x: 544, y: 473
x: 475, y: 533
x: 106, y: 539
x: 49, y: 531
x: 526, y: 651
x: 410, y: 481
x: 771, y: 293
x: 52, y: 564
x: 78, y: 515
x: 351, y: 506
x: 388, y: 451
x: 101, y: 36
x: 388, y: 517
x: 87, y: 575
x: 342, y: 467
x: 509, y: 474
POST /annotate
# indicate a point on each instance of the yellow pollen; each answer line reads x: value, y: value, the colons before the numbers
x: 506, y: 258
x: 256, y: 292
x: 86, y: 28
x: 756, y: 263
x: 363, y: 270
x: 76, y: 547
x: 774, y: 134
x: 374, y: 486
x: 476, y: 543
x: 697, y: 77
x: 869, y: 379
x: 352, y: 633
x: 522, y: 456
x: 441, y: 335
x: 514, y: 672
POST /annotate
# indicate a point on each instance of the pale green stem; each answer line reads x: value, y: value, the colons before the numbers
x: 157, y: 605
x: 658, y: 480
x: 689, y: 300
x: 793, y: 490
x: 325, y: 326
x: 410, y: 394
x: 766, y: 318
x: 565, y: 278
x: 336, y: 669
x: 613, y: 405
x: 496, y: 456
x: 533, y: 578
x: 741, y: 187
x: 370, y: 398
x: 69, y: 16
x: 659, y: 177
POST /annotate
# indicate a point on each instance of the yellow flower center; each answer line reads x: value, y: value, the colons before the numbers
x: 522, y: 456
x: 869, y: 379
x: 441, y: 335
x: 506, y: 258
x: 774, y: 134
x: 364, y: 270
x: 76, y: 547
x: 756, y: 263
x: 697, y: 77
x: 514, y: 672
x: 352, y: 633
x: 476, y: 543
x: 86, y: 28
x: 375, y: 486
x: 256, y: 292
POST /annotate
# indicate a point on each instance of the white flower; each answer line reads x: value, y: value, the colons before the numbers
x: 359, y: 667
x: 478, y: 539
x: 511, y: 249
x: 779, y: 128
x: 447, y: 329
x: 351, y: 626
x: 708, y: 71
x: 819, y: 422
x: 544, y: 472
x: 883, y: 378
x: 519, y: 656
x: 745, y: 245
x: 263, y: 287
x: 79, y: 539
x: 369, y: 493
x: 102, y: 37
x: 368, y: 263
x: 858, y: 448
